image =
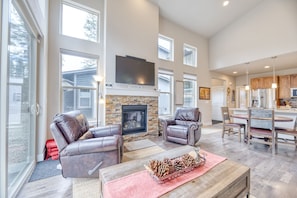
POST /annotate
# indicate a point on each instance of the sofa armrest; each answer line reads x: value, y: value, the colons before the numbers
x: 108, y: 130
x: 169, y: 122
x: 93, y: 145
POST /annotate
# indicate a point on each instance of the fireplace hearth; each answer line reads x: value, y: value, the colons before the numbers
x: 134, y: 119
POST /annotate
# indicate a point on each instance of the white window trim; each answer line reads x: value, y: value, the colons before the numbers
x: 84, y: 8
x: 196, y: 55
x: 80, y: 54
x: 172, y: 47
x: 190, y: 77
x: 167, y: 72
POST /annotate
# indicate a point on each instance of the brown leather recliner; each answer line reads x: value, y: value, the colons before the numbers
x: 185, y: 128
x: 83, y: 150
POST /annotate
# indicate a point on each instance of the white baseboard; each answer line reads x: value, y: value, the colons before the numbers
x: 40, y: 157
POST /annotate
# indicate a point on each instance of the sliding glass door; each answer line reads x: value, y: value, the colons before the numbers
x: 21, y: 100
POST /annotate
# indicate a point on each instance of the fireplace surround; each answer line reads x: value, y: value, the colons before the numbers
x: 113, y: 113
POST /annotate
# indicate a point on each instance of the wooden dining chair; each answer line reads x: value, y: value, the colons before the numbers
x: 261, y: 127
x: 230, y: 127
x: 287, y: 135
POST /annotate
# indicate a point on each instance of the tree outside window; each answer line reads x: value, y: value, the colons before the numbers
x: 79, y: 22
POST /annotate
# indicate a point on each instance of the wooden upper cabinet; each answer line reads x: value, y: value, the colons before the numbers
x: 267, y: 82
x: 262, y: 83
x: 293, y: 81
x: 284, y: 86
x: 256, y: 83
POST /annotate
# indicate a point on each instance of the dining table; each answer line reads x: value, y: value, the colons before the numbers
x: 276, y: 118
x: 246, y: 117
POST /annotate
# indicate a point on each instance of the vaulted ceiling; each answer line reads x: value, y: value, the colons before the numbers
x: 208, y: 17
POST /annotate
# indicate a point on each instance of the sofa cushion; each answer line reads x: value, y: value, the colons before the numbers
x: 73, y: 125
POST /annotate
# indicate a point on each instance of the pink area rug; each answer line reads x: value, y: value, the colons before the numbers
x: 141, y: 184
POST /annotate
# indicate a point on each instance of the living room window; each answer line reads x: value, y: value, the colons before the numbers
x: 190, y: 90
x: 79, y: 21
x: 165, y: 48
x: 190, y: 55
x: 79, y: 90
x: 165, y: 86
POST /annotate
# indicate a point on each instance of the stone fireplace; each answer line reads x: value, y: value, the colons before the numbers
x: 115, y: 104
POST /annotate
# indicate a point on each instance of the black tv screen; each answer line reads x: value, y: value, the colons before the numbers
x: 131, y: 70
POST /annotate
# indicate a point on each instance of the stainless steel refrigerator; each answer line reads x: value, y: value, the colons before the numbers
x: 263, y: 98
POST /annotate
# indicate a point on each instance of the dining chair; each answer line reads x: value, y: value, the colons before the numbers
x: 261, y: 127
x: 230, y: 127
x: 287, y: 135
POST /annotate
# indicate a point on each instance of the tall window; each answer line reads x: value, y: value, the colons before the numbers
x: 80, y: 22
x: 165, y: 84
x: 79, y: 91
x: 190, y: 55
x: 190, y: 90
x: 165, y: 48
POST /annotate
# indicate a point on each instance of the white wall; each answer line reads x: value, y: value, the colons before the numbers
x: 131, y: 29
x: 181, y: 36
x: 268, y: 30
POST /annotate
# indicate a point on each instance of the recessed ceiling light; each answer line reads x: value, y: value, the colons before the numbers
x: 235, y: 72
x: 225, y: 3
x: 266, y: 66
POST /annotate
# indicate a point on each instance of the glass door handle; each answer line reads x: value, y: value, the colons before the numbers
x: 35, y: 109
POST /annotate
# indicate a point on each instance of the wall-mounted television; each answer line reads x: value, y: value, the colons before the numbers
x: 136, y: 71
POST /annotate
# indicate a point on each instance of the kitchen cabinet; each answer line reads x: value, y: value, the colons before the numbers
x: 267, y: 82
x: 262, y: 83
x: 256, y: 83
x: 284, y: 86
x: 293, y: 80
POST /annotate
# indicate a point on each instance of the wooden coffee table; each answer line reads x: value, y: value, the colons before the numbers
x: 227, y: 179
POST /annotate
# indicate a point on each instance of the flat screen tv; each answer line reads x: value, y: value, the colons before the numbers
x: 136, y: 71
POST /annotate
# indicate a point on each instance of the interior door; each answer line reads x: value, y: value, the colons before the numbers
x: 218, y: 100
x: 21, y: 101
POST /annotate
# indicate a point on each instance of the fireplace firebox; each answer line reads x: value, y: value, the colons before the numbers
x: 134, y: 119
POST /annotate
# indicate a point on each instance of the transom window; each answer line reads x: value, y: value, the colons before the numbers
x: 165, y: 48
x: 80, y: 22
x: 190, y: 55
x: 165, y: 86
x: 190, y: 90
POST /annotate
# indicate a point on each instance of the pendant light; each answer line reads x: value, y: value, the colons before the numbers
x: 274, y: 84
x: 247, y: 86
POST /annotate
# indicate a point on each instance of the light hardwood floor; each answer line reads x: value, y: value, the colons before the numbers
x: 271, y: 176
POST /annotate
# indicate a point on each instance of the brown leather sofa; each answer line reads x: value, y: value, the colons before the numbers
x: 185, y: 128
x: 83, y: 150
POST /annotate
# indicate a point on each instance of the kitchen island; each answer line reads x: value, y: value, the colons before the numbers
x: 290, y: 113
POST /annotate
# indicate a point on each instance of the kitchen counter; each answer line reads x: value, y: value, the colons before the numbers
x: 278, y: 110
x: 291, y: 113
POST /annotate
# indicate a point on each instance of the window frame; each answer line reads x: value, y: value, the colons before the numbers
x: 77, y: 88
x: 171, y: 53
x: 82, y: 8
x: 170, y: 92
x: 193, y: 79
x: 194, y: 50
